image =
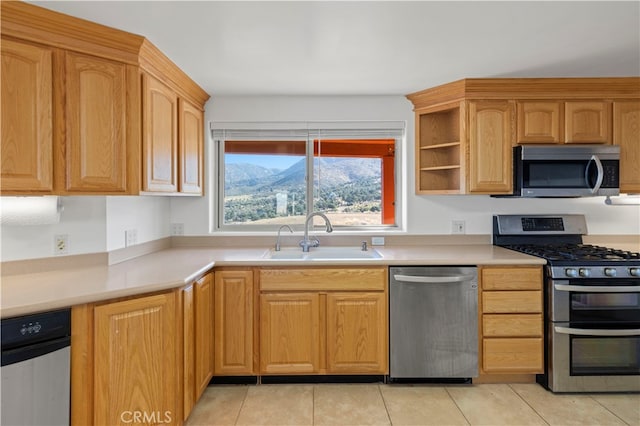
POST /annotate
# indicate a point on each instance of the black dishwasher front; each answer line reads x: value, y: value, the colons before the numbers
x: 36, y: 369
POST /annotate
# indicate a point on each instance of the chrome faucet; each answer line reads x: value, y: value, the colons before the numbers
x: 278, y: 239
x: 313, y: 242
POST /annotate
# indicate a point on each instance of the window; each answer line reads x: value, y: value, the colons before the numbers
x: 263, y: 175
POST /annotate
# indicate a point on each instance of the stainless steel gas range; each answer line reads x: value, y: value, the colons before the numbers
x: 592, y: 303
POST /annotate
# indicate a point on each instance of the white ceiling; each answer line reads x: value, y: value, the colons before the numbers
x: 375, y: 48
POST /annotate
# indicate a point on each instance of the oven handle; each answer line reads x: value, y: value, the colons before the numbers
x: 596, y: 332
x: 600, y: 176
x: 597, y: 288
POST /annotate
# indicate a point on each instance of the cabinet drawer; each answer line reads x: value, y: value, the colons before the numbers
x: 506, y: 302
x: 323, y: 279
x: 512, y: 355
x: 512, y: 278
x: 512, y: 325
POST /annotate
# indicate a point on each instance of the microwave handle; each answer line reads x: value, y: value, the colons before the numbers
x: 599, y: 178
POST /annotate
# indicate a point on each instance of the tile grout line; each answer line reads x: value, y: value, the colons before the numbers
x: 527, y: 402
x: 607, y: 408
x: 384, y: 403
x: 446, y: 389
x: 242, y: 405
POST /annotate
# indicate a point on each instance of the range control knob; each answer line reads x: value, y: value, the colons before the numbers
x: 571, y: 272
x: 610, y: 272
x: 584, y: 272
x: 635, y: 272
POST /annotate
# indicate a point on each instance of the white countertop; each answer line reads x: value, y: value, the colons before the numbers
x: 175, y: 267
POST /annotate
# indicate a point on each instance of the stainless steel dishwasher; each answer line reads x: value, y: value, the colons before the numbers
x: 433, y: 317
x: 35, y: 369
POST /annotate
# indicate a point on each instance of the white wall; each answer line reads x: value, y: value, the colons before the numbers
x: 425, y: 214
x: 93, y: 225
x: 148, y: 215
x: 82, y: 220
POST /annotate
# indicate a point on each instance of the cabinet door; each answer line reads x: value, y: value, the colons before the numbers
x: 290, y: 327
x: 491, y: 137
x: 191, y: 148
x: 160, y: 140
x: 626, y: 134
x: 136, y: 359
x: 357, y: 333
x: 203, y: 304
x: 189, y: 343
x: 27, y: 100
x: 587, y: 122
x: 539, y: 122
x: 95, y: 117
x: 233, y: 325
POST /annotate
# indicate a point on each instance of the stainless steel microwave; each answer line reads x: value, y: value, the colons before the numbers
x: 566, y: 170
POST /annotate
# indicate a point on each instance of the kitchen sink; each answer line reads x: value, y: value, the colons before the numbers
x: 323, y: 253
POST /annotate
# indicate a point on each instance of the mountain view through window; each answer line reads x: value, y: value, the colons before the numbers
x: 271, y: 189
x: 265, y: 182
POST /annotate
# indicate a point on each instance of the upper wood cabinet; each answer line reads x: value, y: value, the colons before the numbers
x: 440, y: 149
x: 76, y: 116
x: 626, y: 134
x: 490, y: 141
x: 173, y: 143
x: 587, y: 122
x: 160, y: 142
x: 27, y: 118
x: 465, y: 130
x: 95, y: 122
x: 191, y: 148
x: 540, y: 122
x: 563, y: 122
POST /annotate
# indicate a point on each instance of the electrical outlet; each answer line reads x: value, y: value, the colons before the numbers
x: 130, y: 237
x: 177, y: 229
x: 457, y: 227
x: 60, y: 244
x: 377, y: 241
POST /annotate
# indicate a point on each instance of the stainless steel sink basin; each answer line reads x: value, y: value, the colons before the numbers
x: 323, y: 253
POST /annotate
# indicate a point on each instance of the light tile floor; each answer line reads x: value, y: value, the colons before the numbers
x: 378, y: 404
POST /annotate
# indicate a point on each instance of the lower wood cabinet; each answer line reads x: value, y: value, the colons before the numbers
x: 234, y: 317
x: 290, y: 339
x: 126, y: 359
x: 357, y: 333
x: 146, y: 357
x: 197, y: 304
x: 323, y: 321
x: 511, y: 320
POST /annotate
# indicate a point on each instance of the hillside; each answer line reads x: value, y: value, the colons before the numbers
x: 341, y: 185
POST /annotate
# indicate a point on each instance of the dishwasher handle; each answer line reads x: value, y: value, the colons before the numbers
x: 433, y: 279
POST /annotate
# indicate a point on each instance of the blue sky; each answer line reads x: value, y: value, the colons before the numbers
x: 281, y: 162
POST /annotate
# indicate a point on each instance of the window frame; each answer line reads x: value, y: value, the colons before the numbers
x: 312, y: 132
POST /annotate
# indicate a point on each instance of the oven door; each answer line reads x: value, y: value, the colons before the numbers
x: 604, y: 301
x: 587, y: 358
